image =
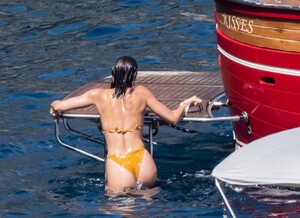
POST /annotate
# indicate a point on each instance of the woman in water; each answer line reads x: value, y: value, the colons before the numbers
x: 121, y: 108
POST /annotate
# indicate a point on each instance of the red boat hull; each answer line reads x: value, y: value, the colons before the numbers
x: 263, y: 82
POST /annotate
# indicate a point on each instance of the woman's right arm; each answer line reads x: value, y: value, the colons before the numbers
x: 171, y: 116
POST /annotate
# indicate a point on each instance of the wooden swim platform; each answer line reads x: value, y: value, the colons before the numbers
x: 171, y: 88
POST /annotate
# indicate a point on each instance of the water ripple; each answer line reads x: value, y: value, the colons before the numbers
x: 9, y: 149
x: 2, y: 23
x: 102, y: 32
x: 135, y: 3
x: 57, y: 74
x: 29, y: 37
x: 66, y: 29
x: 39, y: 14
x: 15, y: 9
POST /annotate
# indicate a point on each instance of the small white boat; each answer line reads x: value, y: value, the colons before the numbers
x: 272, y: 160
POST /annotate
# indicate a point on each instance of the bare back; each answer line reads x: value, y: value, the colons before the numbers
x: 122, y: 121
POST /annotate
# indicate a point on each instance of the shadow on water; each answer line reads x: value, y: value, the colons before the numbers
x: 49, y: 48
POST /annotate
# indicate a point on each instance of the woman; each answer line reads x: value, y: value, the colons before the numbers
x: 121, y: 108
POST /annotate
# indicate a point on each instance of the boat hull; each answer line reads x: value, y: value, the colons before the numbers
x: 260, y: 70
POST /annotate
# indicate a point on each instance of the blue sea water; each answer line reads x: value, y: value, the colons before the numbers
x: 50, y: 48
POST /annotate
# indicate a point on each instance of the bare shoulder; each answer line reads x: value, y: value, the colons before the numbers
x: 143, y: 90
x: 96, y: 93
x: 145, y: 94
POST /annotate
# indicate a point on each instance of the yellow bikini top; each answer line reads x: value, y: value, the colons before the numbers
x: 123, y: 130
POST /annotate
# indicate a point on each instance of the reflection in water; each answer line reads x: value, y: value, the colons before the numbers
x: 282, y: 202
x: 133, y: 202
x: 264, y: 201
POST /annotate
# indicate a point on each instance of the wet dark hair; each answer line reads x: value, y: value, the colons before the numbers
x: 123, y: 75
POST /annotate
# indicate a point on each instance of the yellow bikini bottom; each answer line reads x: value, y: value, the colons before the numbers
x: 130, y: 161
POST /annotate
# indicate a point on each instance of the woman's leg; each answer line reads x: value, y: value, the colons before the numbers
x: 118, y: 177
x: 148, y: 171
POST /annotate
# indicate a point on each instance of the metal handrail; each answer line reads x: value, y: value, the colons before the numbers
x: 80, y: 151
x: 153, y: 123
x: 80, y: 134
x: 215, y: 102
x: 186, y: 119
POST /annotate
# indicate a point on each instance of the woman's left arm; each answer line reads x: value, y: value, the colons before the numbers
x: 83, y: 100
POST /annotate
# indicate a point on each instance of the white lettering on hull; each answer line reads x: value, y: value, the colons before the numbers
x: 237, y: 23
